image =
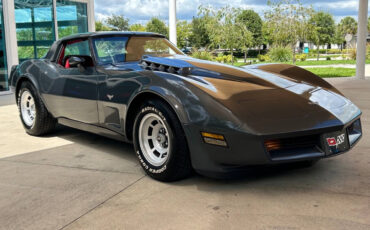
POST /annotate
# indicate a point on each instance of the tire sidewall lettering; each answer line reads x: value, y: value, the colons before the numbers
x: 142, y: 160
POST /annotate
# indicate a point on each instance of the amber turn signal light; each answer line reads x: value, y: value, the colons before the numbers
x: 214, y: 139
x: 271, y: 145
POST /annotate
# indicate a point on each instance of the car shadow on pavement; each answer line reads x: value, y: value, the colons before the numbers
x: 250, y: 175
x: 266, y: 179
x: 100, y: 143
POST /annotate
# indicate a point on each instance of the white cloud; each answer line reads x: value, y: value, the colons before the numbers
x: 143, y: 10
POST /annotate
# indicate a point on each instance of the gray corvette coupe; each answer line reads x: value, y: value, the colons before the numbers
x: 183, y: 114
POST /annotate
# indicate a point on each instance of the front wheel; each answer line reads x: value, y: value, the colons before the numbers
x: 160, y: 142
x: 35, y: 117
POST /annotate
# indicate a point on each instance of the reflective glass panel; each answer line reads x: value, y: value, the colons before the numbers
x: 71, y: 17
x: 35, y: 27
x: 3, y: 63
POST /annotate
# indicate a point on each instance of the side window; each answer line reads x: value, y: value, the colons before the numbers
x: 75, y: 48
x: 110, y: 49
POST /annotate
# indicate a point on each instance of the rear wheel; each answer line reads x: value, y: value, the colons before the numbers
x: 33, y: 113
x: 160, y: 142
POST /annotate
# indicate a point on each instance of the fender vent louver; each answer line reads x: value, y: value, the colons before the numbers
x: 165, y: 68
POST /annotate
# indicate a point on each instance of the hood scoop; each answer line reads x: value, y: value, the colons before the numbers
x: 168, y: 65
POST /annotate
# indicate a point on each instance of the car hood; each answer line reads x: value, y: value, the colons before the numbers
x: 267, y: 99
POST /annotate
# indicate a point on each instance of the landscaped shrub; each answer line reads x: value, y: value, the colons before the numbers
x: 352, y: 54
x: 224, y: 58
x: 228, y: 58
x: 204, y: 55
x: 301, y: 57
x: 280, y: 54
x: 263, y: 58
x: 328, y: 58
x: 329, y: 51
x: 220, y: 57
x: 252, y: 53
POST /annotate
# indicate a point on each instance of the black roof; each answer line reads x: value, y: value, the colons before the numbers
x: 110, y: 33
x: 52, y: 54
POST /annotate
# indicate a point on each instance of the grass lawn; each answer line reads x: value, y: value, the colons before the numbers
x: 324, y: 62
x: 333, y: 72
x: 237, y: 64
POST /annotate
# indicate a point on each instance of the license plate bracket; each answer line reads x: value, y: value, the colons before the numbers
x: 335, y: 142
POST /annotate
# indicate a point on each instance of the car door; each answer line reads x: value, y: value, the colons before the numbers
x: 74, y: 94
x: 118, y: 82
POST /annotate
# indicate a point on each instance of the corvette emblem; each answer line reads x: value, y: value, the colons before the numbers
x: 335, y: 141
x: 110, y: 96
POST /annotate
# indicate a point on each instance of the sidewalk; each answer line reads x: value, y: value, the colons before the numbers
x: 7, y: 99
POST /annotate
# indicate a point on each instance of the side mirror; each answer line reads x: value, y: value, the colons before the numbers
x: 74, y: 61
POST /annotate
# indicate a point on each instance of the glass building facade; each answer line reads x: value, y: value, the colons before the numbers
x: 38, y: 23
x: 3, y: 63
x: 35, y: 27
x: 71, y: 17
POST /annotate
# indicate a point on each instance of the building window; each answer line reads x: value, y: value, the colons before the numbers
x: 35, y: 27
x: 3, y: 63
x: 35, y: 24
x: 71, y: 17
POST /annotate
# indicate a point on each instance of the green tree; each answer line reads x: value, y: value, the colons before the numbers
x: 199, y: 34
x: 137, y: 27
x: 253, y: 23
x: 183, y: 33
x: 338, y: 37
x: 156, y: 25
x: 246, y: 40
x: 267, y: 31
x: 118, y: 22
x: 100, y: 26
x: 287, y: 23
x: 225, y: 29
x: 348, y: 25
x: 323, y: 29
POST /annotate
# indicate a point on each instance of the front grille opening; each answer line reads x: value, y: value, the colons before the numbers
x: 294, y: 147
x: 354, y: 132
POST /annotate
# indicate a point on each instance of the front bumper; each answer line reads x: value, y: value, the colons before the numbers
x: 249, y: 150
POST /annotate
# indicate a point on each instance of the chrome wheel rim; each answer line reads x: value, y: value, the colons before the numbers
x: 28, y: 108
x: 154, y: 140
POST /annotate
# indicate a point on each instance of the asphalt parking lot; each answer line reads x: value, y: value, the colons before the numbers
x: 76, y: 180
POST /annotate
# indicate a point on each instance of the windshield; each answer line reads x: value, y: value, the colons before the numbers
x: 111, y: 50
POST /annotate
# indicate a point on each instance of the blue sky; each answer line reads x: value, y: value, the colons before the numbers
x: 142, y: 10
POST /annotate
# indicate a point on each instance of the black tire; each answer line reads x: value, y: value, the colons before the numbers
x: 177, y: 165
x: 44, y: 122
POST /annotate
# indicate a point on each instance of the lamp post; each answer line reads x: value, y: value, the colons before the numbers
x: 172, y: 21
x: 361, y: 39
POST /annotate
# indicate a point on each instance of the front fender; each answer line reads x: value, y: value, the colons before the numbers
x: 191, y: 104
x: 28, y: 70
x: 297, y: 73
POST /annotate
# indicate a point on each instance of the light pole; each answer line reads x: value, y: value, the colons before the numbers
x: 172, y: 21
x: 361, y: 39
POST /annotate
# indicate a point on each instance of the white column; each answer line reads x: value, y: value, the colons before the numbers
x: 91, y: 16
x: 10, y: 34
x: 55, y: 20
x: 172, y: 21
x: 361, y: 39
